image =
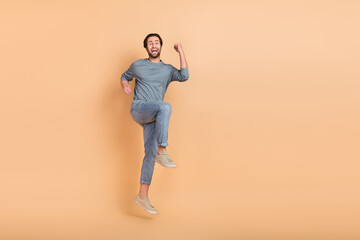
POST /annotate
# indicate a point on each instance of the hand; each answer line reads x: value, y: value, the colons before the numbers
x: 178, y: 47
x: 127, y: 89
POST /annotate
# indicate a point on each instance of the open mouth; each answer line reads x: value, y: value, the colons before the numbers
x: 154, y: 51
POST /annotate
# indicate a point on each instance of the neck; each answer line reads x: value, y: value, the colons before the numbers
x: 155, y: 60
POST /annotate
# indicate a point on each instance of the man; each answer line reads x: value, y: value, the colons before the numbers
x: 152, y: 78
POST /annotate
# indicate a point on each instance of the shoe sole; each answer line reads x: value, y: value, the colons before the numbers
x: 169, y: 166
x: 149, y: 211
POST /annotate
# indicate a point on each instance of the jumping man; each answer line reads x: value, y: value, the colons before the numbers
x: 152, y: 78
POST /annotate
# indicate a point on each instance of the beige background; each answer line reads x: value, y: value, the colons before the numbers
x: 265, y: 132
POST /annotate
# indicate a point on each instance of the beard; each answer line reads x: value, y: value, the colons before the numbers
x: 154, y: 55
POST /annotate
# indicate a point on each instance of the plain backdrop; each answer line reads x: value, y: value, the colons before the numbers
x: 265, y: 132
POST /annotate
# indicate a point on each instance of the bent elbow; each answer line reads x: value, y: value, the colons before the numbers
x: 184, y: 77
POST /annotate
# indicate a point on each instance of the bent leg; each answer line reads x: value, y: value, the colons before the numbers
x: 160, y: 112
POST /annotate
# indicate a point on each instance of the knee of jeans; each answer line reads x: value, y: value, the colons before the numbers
x: 166, y: 107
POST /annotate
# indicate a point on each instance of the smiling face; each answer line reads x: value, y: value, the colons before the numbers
x: 153, y: 47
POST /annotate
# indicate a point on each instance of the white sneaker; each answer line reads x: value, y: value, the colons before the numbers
x: 145, y: 203
x: 164, y: 160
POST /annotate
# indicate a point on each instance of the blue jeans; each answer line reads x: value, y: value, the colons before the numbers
x: 154, y: 117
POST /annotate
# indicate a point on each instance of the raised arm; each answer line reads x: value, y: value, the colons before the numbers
x: 182, y: 74
x: 178, y: 48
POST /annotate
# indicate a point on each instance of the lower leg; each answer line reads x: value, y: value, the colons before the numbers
x: 162, y: 125
x: 147, y: 167
x: 161, y: 149
x: 143, y: 192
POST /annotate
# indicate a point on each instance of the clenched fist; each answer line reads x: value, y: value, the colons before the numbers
x: 127, y: 88
x: 178, y: 47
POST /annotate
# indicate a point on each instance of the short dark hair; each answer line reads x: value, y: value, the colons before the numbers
x: 152, y: 35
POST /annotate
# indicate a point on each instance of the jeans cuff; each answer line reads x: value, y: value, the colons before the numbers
x: 145, y: 182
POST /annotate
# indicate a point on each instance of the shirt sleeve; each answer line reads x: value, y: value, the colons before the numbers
x: 129, y: 74
x: 180, y: 75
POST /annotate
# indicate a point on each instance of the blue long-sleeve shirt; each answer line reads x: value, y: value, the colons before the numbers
x: 153, y: 79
